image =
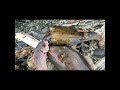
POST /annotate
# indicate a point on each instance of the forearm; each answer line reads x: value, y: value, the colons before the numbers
x: 40, y: 60
x: 40, y: 54
x: 59, y: 65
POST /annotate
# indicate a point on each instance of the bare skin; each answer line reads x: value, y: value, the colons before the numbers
x: 39, y: 56
x: 71, y: 59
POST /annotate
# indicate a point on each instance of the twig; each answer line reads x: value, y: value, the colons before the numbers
x: 93, y: 66
x: 89, y: 62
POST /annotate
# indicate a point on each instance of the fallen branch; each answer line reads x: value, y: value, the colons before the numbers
x: 99, y: 64
x: 28, y: 39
